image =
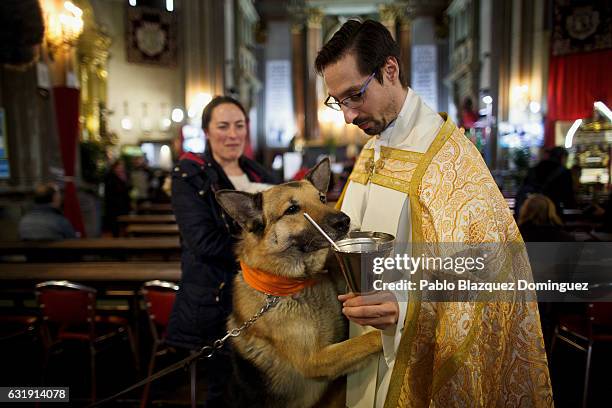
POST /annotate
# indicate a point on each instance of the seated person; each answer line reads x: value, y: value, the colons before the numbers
x: 45, y: 221
x: 551, y: 178
x: 539, y: 222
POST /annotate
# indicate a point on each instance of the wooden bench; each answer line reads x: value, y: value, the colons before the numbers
x: 147, y: 219
x: 131, y: 274
x: 114, y: 279
x: 158, y: 208
x: 118, y: 281
x: 117, y: 248
x: 151, y: 229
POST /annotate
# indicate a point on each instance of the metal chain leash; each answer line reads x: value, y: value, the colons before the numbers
x: 206, y: 351
x: 209, y: 351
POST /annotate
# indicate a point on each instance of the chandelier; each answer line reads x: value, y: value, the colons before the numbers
x: 64, y: 26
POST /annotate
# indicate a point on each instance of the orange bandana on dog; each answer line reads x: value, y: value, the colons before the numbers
x: 273, y: 284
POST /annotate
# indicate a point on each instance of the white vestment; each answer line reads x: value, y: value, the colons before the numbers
x: 373, y: 207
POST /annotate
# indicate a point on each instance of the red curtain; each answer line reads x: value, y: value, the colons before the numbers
x: 67, y: 116
x: 575, y: 82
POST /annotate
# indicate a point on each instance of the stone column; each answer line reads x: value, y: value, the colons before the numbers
x: 298, y: 68
x: 313, y: 44
x: 405, y: 44
x: 215, y: 55
x: 93, y: 56
x: 539, y: 67
x: 388, y: 17
x: 203, y: 35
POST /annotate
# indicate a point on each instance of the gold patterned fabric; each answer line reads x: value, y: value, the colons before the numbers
x: 394, y: 168
x: 363, y: 167
x: 481, y: 353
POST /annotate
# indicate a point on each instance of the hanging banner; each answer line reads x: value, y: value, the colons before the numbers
x: 581, y: 26
x: 151, y: 36
x: 280, y: 123
x: 424, y: 74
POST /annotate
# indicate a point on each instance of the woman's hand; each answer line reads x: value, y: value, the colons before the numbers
x: 379, y: 309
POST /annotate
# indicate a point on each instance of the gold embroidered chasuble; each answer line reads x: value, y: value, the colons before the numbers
x: 480, y: 353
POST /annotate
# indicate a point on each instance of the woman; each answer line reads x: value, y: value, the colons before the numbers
x: 208, y: 234
x: 538, y: 221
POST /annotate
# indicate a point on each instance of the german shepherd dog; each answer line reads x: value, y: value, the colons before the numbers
x: 292, y: 354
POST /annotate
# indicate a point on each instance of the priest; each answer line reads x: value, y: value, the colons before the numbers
x: 420, y: 179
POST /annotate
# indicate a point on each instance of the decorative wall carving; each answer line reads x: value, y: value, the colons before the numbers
x: 151, y: 36
x: 580, y: 27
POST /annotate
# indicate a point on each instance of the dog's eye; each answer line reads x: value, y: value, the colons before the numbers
x: 292, y: 210
x: 323, y: 198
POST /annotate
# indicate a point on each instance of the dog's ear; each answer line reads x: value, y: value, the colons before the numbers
x: 244, y: 208
x: 319, y: 175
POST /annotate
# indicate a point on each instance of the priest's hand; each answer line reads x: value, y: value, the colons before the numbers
x: 379, y: 309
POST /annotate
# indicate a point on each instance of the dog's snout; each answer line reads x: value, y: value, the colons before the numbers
x: 339, y: 222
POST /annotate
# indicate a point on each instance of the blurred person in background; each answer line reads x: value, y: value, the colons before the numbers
x: 140, y: 179
x: 576, y: 172
x: 468, y: 116
x: 552, y: 178
x: 208, y: 235
x: 116, y: 196
x: 45, y: 220
x: 607, y: 215
x: 539, y: 222
x: 159, y: 194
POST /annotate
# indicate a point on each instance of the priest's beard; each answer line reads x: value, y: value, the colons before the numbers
x: 378, y: 125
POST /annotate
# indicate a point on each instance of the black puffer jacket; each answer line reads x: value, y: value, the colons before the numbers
x: 208, y: 236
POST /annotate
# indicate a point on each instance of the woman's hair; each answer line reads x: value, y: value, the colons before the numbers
x: 371, y: 44
x: 216, y: 101
x: 538, y: 210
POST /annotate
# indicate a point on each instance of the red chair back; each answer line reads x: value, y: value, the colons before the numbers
x: 159, y: 297
x: 160, y: 305
x: 66, y: 303
x: 67, y: 307
x: 600, y: 314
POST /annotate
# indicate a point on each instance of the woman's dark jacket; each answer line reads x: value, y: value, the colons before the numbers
x: 208, y: 235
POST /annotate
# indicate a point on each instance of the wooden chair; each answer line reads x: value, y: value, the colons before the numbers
x: 68, y: 312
